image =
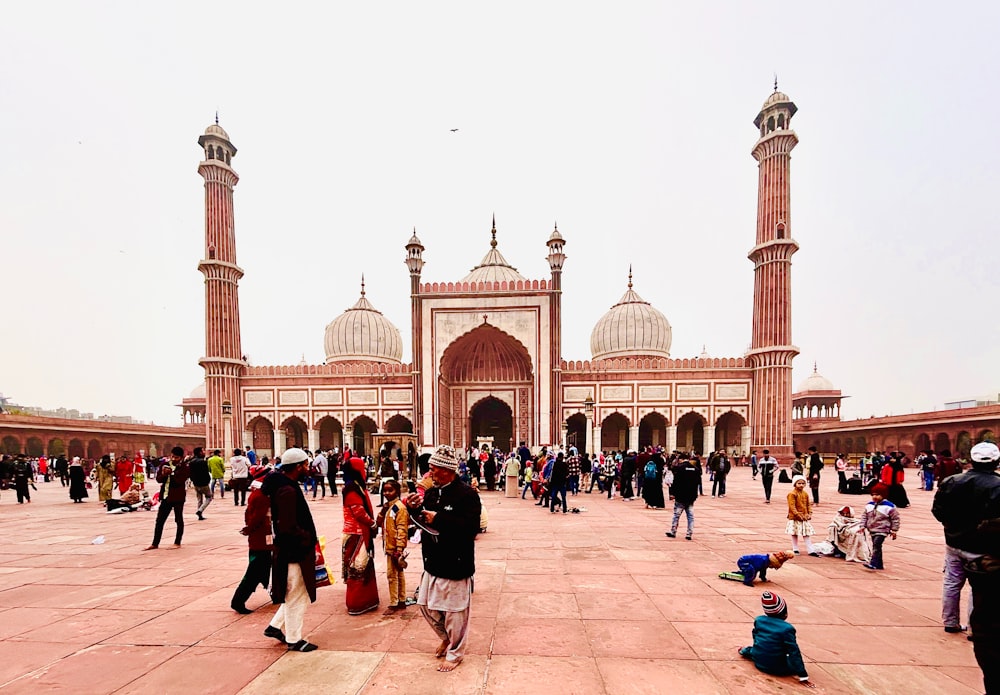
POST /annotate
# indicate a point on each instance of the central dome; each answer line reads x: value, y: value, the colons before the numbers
x: 363, y: 334
x: 494, y: 267
x: 631, y: 328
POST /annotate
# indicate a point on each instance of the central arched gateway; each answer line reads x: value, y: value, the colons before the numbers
x: 485, y: 389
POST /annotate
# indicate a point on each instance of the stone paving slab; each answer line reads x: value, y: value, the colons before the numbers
x: 599, y: 602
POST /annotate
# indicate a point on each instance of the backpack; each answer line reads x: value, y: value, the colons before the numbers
x: 650, y: 471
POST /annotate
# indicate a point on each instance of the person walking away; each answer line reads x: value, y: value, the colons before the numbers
x: 510, y: 473
x: 685, y: 488
x: 78, y: 481
x: 173, y: 477
x: 23, y: 476
x: 722, y: 467
x: 201, y: 479
x: 293, y: 579
x: 257, y: 529
x: 927, y: 466
x: 946, y: 466
x: 452, y: 510
x: 394, y: 520
x: 815, y: 466
x: 333, y: 465
x: 239, y: 482
x: 753, y: 463
x: 799, y: 516
x: 881, y: 518
x: 627, y: 473
x: 320, y: 470
x: 528, y: 479
x: 573, y: 481
x: 557, y: 483
x: 358, y: 549
x: 768, y: 465
x: 62, y: 470
x: 217, y: 469
x: 968, y: 506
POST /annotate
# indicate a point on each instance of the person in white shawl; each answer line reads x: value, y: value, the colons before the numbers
x: 847, y: 542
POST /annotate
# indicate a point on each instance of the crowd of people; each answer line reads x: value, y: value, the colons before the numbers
x: 434, y: 501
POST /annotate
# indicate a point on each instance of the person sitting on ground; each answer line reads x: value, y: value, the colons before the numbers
x: 843, y: 534
x: 752, y: 565
x: 775, y: 650
x: 128, y: 502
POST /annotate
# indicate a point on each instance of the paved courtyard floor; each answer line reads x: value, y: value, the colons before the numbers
x: 597, y: 602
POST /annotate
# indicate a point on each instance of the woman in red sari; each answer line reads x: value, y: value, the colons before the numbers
x: 359, y: 540
x: 123, y: 472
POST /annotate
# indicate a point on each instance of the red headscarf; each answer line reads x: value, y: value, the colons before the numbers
x: 356, y: 483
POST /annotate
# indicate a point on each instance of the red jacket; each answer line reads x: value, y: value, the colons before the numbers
x: 257, y: 518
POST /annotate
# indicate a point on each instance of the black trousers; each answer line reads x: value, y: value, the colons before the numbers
x: 161, y: 518
x: 258, y: 572
x: 768, y: 481
x: 332, y: 478
x: 985, y: 624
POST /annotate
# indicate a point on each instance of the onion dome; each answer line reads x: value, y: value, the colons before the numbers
x: 631, y: 328
x: 816, y: 382
x: 198, y: 393
x: 217, y: 130
x: 363, y: 334
x: 494, y: 267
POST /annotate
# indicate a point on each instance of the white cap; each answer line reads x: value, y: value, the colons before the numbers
x: 293, y: 456
x: 985, y: 452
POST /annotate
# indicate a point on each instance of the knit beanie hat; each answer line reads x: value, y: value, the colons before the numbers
x: 880, y: 489
x: 772, y: 604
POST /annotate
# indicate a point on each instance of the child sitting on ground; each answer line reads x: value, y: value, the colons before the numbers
x: 751, y: 565
x: 775, y: 650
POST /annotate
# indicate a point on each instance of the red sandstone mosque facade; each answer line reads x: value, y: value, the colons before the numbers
x: 487, y: 350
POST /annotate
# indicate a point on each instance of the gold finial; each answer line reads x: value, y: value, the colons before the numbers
x: 362, y: 284
x: 630, y: 276
x: 493, y: 232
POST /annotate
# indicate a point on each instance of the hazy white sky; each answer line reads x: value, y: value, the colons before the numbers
x: 628, y: 123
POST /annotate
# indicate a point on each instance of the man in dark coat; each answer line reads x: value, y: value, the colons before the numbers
x: 293, y: 577
x: 815, y: 466
x: 451, y: 510
x: 201, y: 479
x: 172, y: 477
x: 628, y: 472
x: 558, y: 482
x: 687, y: 477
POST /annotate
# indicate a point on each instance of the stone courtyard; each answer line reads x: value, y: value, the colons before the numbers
x: 589, y: 603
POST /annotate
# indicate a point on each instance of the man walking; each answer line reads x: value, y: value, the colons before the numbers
x: 201, y: 479
x: 685, y: 489
x: 968, y: 506
x: 721, y: 465
x: 451, y: 510
x: 768, y: 465
x: 815, y: 466
x: 293, y: 577
x: 217, y: 468
x: 557, y: 483
x: 172, y: 476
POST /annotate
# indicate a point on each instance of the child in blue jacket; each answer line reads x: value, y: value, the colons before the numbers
x: 752, y: 565
x: 775, y: 650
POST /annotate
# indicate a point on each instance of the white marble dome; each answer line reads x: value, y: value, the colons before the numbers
x: 363, y: 334
x: 816, y: 382
x: 631, y: 328
x: 198, y: 392
x: 217, y: 130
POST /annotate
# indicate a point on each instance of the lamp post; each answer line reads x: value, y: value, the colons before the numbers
x: 227, y: 426
x: 588, y: 409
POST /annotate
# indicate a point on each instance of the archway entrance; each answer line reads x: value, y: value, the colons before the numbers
x: 691, y: 433
x: 364, y: 428
x: 263, y: 437
x: 331, y: 434
x: 614, y: 433
x: 491, y: 417
x: 729, y: 433
x: 652, y: 430
x: 576, y: 431
x: 480, y: 367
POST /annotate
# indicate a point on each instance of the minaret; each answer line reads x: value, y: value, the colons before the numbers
x: 223, y: 360
x: 556, y: 259
x: 771, y: 350
x: 415, y: 264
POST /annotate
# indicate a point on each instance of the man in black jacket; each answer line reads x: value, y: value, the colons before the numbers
x: 685, y: 490
x: 968, y: 506
x: 815, y: 466
x: 451, y: 511
x: 201, y: 479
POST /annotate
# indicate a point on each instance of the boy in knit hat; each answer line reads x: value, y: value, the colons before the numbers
x: 775, y: 650
x: 881, y: 518
x: 752, y: 565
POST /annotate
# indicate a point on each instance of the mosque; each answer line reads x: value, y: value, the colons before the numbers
x: 487, y: 360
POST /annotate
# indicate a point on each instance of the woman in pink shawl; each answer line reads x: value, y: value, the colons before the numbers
x: 359, y: 540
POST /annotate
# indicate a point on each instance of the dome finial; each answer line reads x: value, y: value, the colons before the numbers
x: 630, y: 276
x: 493, y: 233
x: 362, y: 284
x: 815, y: 369
x: 217, y: 117
x: 776, y: 82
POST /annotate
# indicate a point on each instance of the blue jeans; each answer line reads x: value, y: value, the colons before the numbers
x: 222, y: 486
x: 954, y: 582
x: 527, y: 486
x: 877, y: 540
x: 554, y: 497
x: 687, y: 509
x: 928, y: 480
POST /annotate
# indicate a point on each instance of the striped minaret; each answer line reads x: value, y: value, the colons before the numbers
x: 223, y: 360
x: 771, y: 350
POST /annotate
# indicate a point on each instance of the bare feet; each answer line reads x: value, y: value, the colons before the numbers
x: 175, y: 546
x: 442, y: 650
x: 152, y: 547
x: 449, y: 665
